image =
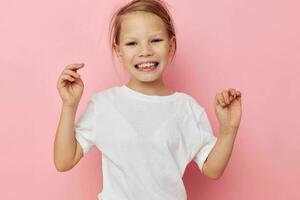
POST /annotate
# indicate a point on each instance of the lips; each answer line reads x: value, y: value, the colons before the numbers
x: 155, y: 62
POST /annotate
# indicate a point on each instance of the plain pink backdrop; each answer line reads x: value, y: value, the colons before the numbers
x: 252, y: 46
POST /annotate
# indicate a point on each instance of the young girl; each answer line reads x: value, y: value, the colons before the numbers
x: 147, y: 133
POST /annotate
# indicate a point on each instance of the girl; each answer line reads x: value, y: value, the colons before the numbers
x: 147, y: 133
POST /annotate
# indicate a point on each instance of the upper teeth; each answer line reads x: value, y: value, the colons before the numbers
x: 144, y: 65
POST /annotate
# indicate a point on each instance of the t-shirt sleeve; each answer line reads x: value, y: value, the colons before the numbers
x: 85, y: 127
x: 203, y: 146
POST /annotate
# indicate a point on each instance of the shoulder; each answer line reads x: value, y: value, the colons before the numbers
x: 102, y: 99
x: 192, y: 106
x: 191, y: 101
x: 104, y: 94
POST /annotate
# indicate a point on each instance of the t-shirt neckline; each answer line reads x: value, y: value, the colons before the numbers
x: 142, y: 96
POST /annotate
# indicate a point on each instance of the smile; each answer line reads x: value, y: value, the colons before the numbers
x: 147, y: 67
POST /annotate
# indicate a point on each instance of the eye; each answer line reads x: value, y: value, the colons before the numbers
x: 157, y: 40
x: 130, y: 43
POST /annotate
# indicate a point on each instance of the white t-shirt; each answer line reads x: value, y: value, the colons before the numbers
x: 146, y: 141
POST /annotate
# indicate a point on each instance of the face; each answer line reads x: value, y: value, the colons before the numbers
x: 144, y: 39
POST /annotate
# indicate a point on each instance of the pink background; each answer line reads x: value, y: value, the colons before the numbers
x: 252, y: 46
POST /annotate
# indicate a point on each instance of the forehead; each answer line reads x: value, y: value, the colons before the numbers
x: 140, y: 23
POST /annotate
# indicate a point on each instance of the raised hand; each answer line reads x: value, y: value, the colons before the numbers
x: 70, y: 85
x: 228, y: 108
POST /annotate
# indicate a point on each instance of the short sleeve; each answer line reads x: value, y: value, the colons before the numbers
x: 209, y: 140
x: 85, y: 127
x: 203, y: 146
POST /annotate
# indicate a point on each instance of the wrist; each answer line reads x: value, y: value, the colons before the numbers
x: 228, y: 129
x: 69, y: 107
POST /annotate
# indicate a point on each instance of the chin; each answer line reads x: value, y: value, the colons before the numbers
x: 147, y: 78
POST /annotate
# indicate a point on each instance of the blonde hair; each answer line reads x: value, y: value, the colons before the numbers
x: 157, y: 7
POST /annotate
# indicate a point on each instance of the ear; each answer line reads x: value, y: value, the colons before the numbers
x: 172, y: 44
x: 118, y: 52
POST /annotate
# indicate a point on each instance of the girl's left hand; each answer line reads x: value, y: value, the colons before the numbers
x: 228, y: 108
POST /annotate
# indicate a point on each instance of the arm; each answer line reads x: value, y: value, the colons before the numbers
x: 219, y: 156
x: 67, y: 152
x: 228, y: 109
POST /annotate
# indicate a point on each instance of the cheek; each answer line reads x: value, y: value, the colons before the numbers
x: 164, y: 53
x: 127, y: 55
x: 128, y: 59
x: 163, y: 50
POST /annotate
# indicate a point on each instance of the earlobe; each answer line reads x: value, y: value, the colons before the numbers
x: 172, y: 43
x: 116, y: 48
x: 118, y: 52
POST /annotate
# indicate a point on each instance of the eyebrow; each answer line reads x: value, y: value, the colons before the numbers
x: 132, y: 37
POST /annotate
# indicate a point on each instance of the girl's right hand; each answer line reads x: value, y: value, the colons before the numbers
x: 70, y: 85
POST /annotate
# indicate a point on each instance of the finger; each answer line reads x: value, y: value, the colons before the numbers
x: 75, y: 66
x: 66, y: 77
x: 72, y: 73
x: 232, y: 92
x: 220, y: 99
x: 226, y: 96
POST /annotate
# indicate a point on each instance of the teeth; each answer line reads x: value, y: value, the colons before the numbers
x: 146, y: 65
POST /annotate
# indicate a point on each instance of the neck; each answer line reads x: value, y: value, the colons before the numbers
x: 150, y: 88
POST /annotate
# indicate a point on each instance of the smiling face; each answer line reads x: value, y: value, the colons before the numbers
x: 144, y: 38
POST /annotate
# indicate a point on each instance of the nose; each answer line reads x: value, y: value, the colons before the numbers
x: 146, y: 50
